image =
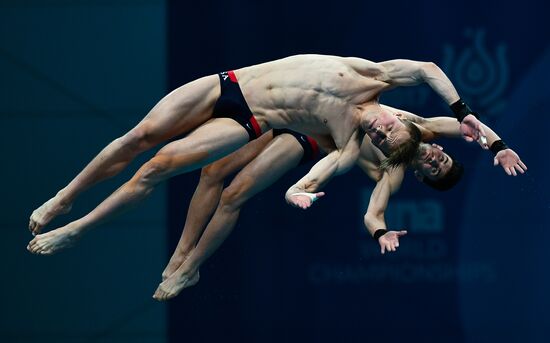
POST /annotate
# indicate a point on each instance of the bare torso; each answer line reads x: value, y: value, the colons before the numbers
x: 312, y: 94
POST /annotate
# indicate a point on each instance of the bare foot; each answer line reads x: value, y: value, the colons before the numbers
x: 177, y: 259
x: 54, y: 241
x: 45, y: 213
x: 175, y: 284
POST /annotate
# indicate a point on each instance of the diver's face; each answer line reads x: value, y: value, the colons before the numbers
x: 431, y: 162
x: 386, y: 131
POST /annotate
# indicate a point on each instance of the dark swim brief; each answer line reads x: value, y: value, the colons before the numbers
x: 231, y: 104
x: 310, y: 146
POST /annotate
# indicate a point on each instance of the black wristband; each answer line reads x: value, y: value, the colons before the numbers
x: 379, y: 233
x: 461, y: 110
x: 498, y: 146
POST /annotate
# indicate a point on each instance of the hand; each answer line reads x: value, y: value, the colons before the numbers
x: 510, y: 162
x: 472, y: 130
x: 303, y: 200
x: 390, y: 240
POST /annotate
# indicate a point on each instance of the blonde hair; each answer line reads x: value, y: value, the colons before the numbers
x: 406, y: 151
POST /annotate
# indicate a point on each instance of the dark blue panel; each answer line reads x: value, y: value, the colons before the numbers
x: 286, y: 275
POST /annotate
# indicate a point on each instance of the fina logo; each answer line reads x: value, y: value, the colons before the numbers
x: 425, y: 216
x: 418, y: 216
x: 480, y: 78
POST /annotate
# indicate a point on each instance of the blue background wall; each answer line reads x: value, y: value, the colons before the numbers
x: 473, y: 266
x: 77, y: 74
x: 74, y: 75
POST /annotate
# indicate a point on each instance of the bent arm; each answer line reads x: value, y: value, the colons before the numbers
x: 437, y: 127
x: 410, y: 73
x: 389, y: 184
x: 335, y: 163
x: 504, y: 156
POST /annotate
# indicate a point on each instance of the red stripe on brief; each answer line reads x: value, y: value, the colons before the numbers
x: 314, y: 148
x: 256, y: 126
x: 232, y: 76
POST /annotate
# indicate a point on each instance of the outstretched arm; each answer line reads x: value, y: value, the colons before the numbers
x: 508, y: 159
x: 431, y: 128
x: 374, y: 220
x: 436, y: 127
x: 302, y: 194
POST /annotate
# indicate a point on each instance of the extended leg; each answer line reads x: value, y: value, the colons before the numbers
x: 207, y: 195
x: 201, y: 147
x: 180, y: 111
x: 281, y: 155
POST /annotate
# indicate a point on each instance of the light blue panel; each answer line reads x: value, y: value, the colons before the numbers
x: 106, y: 280
x: 110, y: 57
x: 46, y: 153
x: 75, y: 76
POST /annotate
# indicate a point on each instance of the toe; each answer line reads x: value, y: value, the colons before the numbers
x: 160, y: 296
x: 157, y: 293
x: 37, y: 229
x: 37, y: 249
x: 44, y: 248
x: 33, y: 247
x: 32, y: 243
x: 40, y: 246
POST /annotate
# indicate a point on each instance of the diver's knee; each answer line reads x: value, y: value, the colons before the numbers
x: 155, y: 170
x: 213, y: 173
x: 234, y: 196
x: 140, y: 138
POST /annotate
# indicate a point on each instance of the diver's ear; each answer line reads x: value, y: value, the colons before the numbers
x: 419, y: 176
